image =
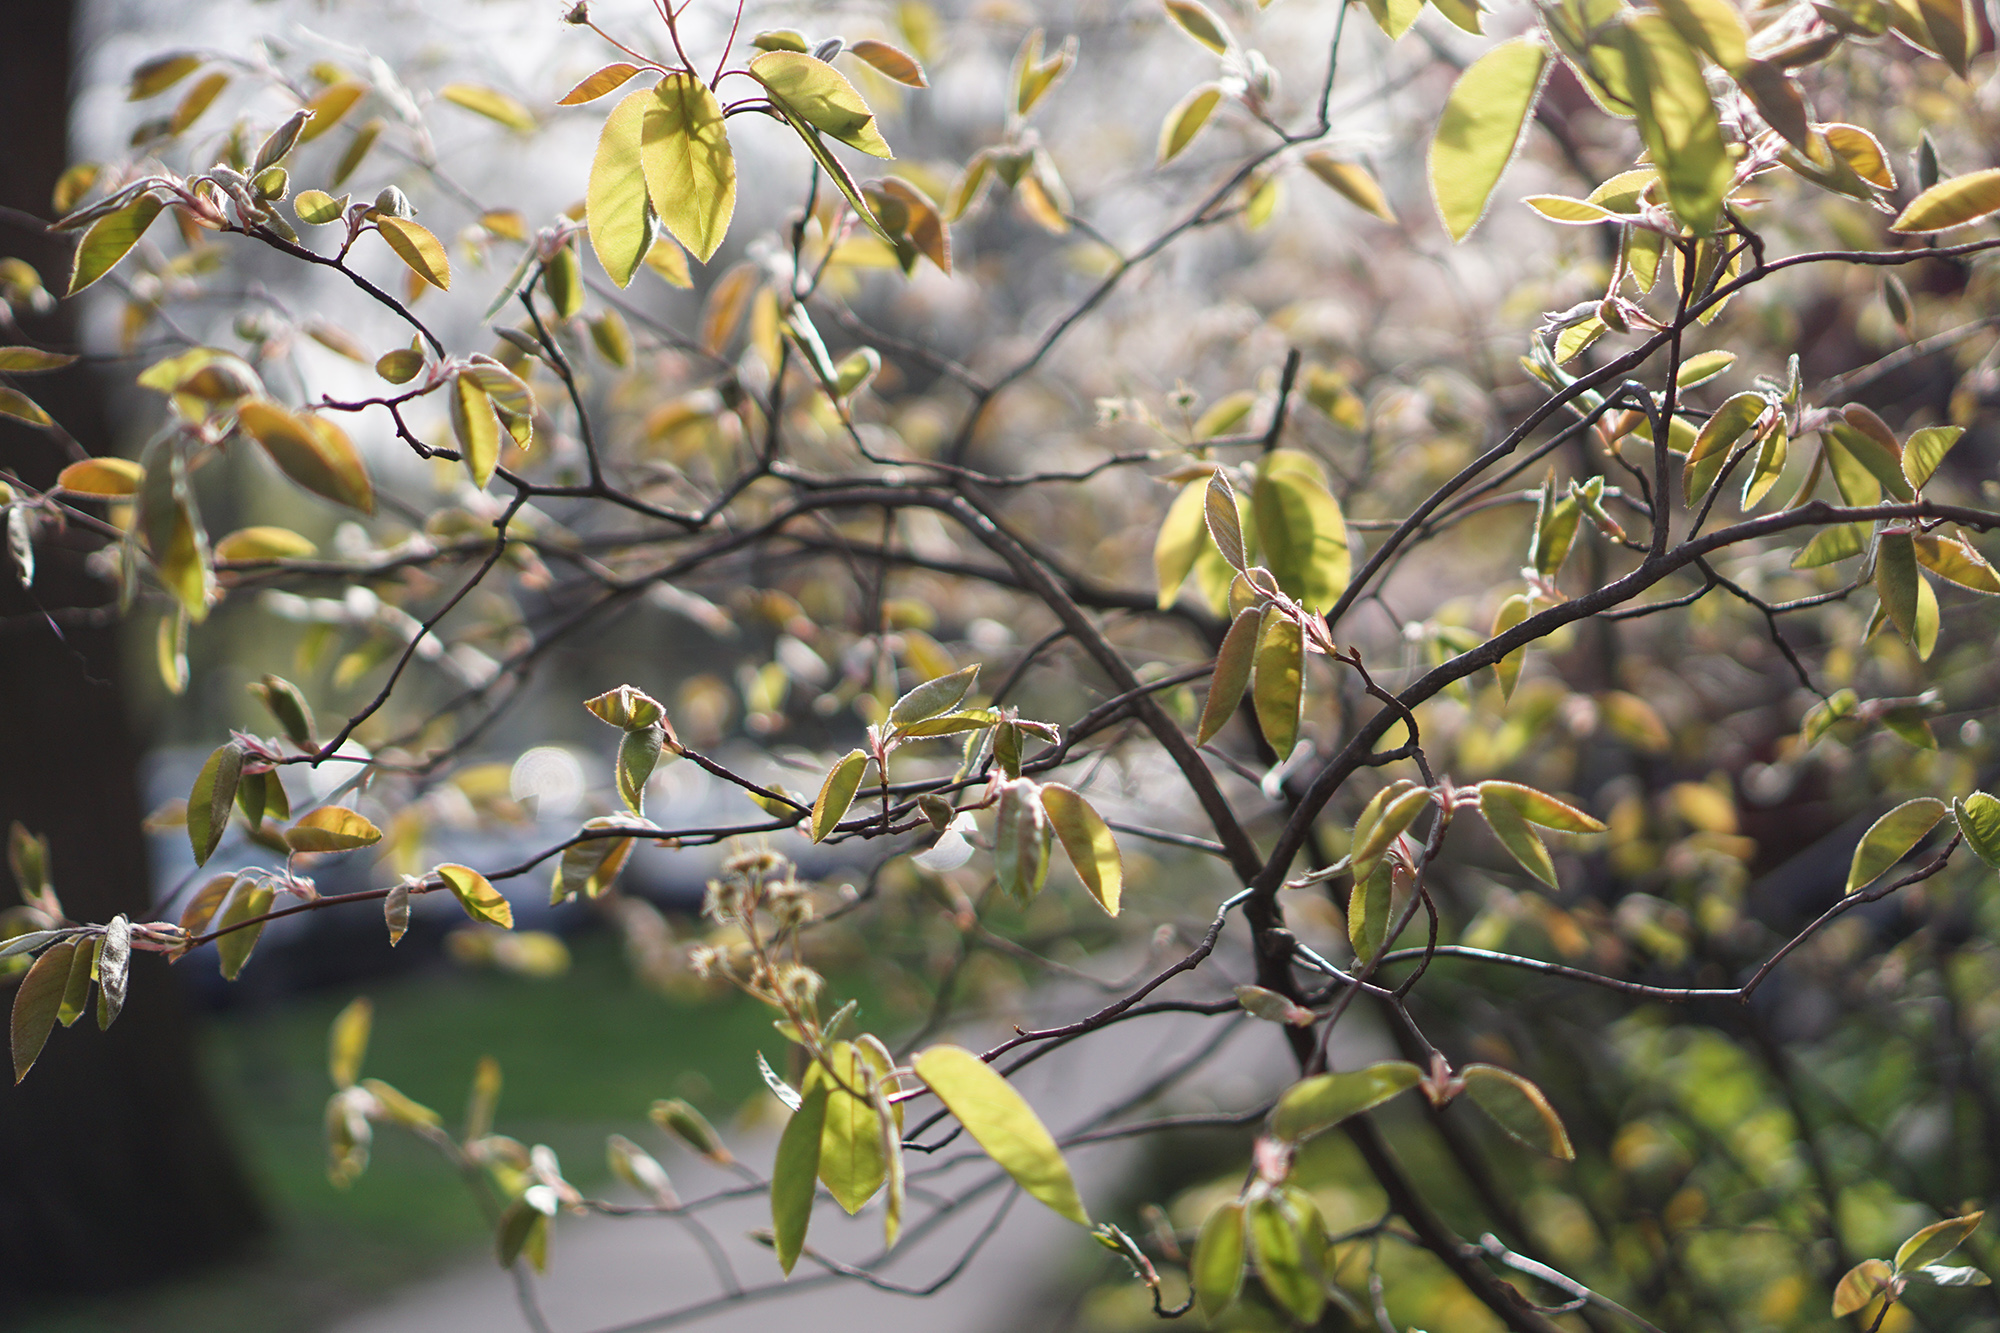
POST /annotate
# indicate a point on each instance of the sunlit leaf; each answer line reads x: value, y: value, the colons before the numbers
x: 211, y: 799
x: 1317, y: 1104
x: 331, y: 828
x: 110, y: 239
x: 1842, y: 541
x: 329, y: 105
x: 475, y: 426
x: 1511, y: 827
x: 32, y: 360
x: 108, y: 478
x: 1512, y: 612
x: 1677, y: 119
x: 1540, y: 808
x: 347, y: 1042
x: 1935, y: 1241
x: 1086, y: 839
x: 1277, y: 690
x: 615, y: 204
x: 157, y: 75
x: 235, y: 941
x: 1233, y: 663
x: 1891, y: 838
x: 1289, y: 1243
x: 1950, y: 203
x: 836, y: 794
x: 1860, y: 1285
x: 312, y: 451
x: 1519, y: 1107
x: 795, y: 1176
x: 1897, y: 581
x: 490, y: 103
x: 597, y: 85
x: 690, y: 170
x: 1200, y: 22
x: 1480, y: 129
x: 1301, y: 533
x: 415, y: 246
x: 1182, y: 535
x: 1002, y: 1123
x: 1188, y: 118
x: 481, y: 901
x: 851, y: 1163
x: 890, y: 61
x: 820, y: 95
x: 1925, y: 450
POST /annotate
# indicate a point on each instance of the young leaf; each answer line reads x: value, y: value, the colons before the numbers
x: 32, y: 360
x: 815, y: 92
x: 690, y: 170
x: 1180, y: 540
x: 590, y: 866
x: 1216, y: 1272
x: 1317, y: 1104
x: 1948, y: 204
x: 38, y: 999
x: 1189, y: 117
x: 597, y: 85
x: 1979, y: 820
x: 161, y: 73
x: 1021, y: 840
x: 1277, y: 690
x: 638, y: 755
x: 1225, y: 524
x: 933, y: 697
x: 1199, y: 22
x: 1897, y: 581
x: 1540, y: 808
x: 109, y: 240
x: 1860, y: 1285
x: 890, y: 61
x: 481, y: 901
x: 1481, y: 126
x: 1677, y: 119
x: 1955, y: 560
x: 1769, y: 465
x: 795, y: 1175
x: 1289, y: 1243
x: 1511, y: 827
x: 851, y: 1164
x: 1925, y: 449
x: 1086, y: 839
x: 615, y: 203
x: 476, y: 427
x: 1935, y: 1241
x: 490, y: 103
x: 209, y: 801
x: 1890, y: 838
x: 1273, y: 1007
x: 836, y: 794
x: 1233, y: 662
x: 1002, y: 1123
x: 312, y: 451
x: 1518, y: 1107
x: 692, y: 1128
x: 114, y: 964
x: 82, y: 971
x: 1512, y: 612
x: 1353, y: 182
x: 1301, y: 533
x: 331, y: 828
x: 347, y: 1042
x: 415, y: 246
x: 233, y: 947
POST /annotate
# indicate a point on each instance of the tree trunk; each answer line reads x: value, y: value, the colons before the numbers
x: 114, y: 1170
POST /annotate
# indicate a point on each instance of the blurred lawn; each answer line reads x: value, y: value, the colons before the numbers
x: 583, y: 1056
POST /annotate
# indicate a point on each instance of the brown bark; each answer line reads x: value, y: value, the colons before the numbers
x: 114, y: 1170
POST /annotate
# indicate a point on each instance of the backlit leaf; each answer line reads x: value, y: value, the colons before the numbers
x: 1576, y: 212
x: 1860, y: 1285
x: 1925, y: 449
x: 1949, y: 203
x: 476, y: 427
x: 481, y: 901
x: 31, y: 360
x: 1712, y: 26
x: 851, y: 1164
x: 1233, y: 662
x: 312, y: 451
x: 1301, y: 533
x: 1897, y: 580
x: 1225, y: 524
x: 1540, y: 808
x: 76, y: 993
x: 1511, y: 827
x: 1289, y: 1243
x: 1677, y: 119
x: 1316, y: 1104
x: 233, y: 948
x: 597, y: 85
x: 415, y: 246
x: 490, y: 103
x: 1891, y: 838
x: 1935, y: 1241
x: 161, y: 73
x: 108, y: 478
x: 1181, y: 538
x: 1979, y: 821
x: 1769, y: 465
x: 1353, y: 182
x: 1839, y: 542
x: 615, y: 204
x: 197, y: 100
x: 890, y: 61
x: 1277, y: 690
x: 1086, y: 839
x: 1199, y: 22
x: 1480, y: 129
x: 38, y: 999
x: 1512, y: 612
x: 1957, y: 561
x: 110, y: 239
x: 1002, y: 1123
x: 690, y: 171
x: 1189, y: 117
x: 1518, y: 1107
x: 795, y: 1176
x: 347, y: 1042
x: 817, y: 93
x: 331, y: 828
x: 836, y: 794
x: 1862, y: 152
x: 328, y: 106
x: 212, y: 797
x: 1273, y: 1007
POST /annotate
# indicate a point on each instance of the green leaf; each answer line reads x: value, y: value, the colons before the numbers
x: 1557, y: 517
x: 1216, y: 1272
x: 1769, y: 465
x: 1391, y: 819
x: 1511, y: 827
x: 1518, y: 1107
x: 851, y: 1163
x: 1948, y: 204
x: 1925, y: 449
x: 693, y: 1129
x: 815, y: 92
x: 1540, y: 808
x: 638, y: 755
x: 1677, y: 119
x: 1839, y: 542
x: 481, y: 901
x: 1086, y: 839
x: 615, y: 203
x: 38, y: 999
x: 1199, y: 22
x: 1002, y: 1123
x: 1021, y: 839
x: 76, y: 993
x: 1277, y: 689
x: 794, y: 1176
x: 329, y: 106
x: 1860, y: 1285
x: 1289, y: 1242
x: 1897, y: 581
x: 290, y: 708
x: 836, y: 794
x: 1712, y: 26
x: 312, y: 451
x: 1233, y: 662
x: 1979, y: 821
x: 1273, y: 1007
x: 1935, y: 1241
x: 490, y: 103
x: 476, y: 427
x: 114, y: 965
x: 332, y: 828
x: 1317, y: 1104
x: 934, y: 697
x: 590, y: 866
x: 415, y: 246
x: 347, y: 1042
x: 523, y: 1229
x: 1573, y: 212
x: 32, y: 360
x: 14, y: 403
x: 1180, y: 540
x: 1189, y: 117
x: 1703, y: 367
x: 110, y: 239
x: 1301, y: 533
x: 690, y: 170
x: 1512, y: 612
x: 250, y: 902
x: 1890, y: 838
x: 317, y: 208
x: 209, y: 801
x: 1956, y: 560
x: 1481, y: 126
x: 161, y: 73
x: 1353, y: 182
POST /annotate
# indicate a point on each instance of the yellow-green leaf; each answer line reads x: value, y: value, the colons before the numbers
x: 32, y: 360
x: 161, y: 73
x: 1316, y: 1104
x: 1890, y: 838
x: 490, y: 103
x: 794, y: 1176
x: 234, y: 945
x: 1512, y: 612
x: 1189, y: 117
x: 264, y: 543
x: 328, y: 106
x: 597, y: 85
x: 1233, y: 662
x: 415, y: 246
x: 1935, y: 1241
x: 38, y: 999
x: 1979, y: 820
x: 1002, y: 1123
x: 347, y: 1042
x: 815, y: 92
x: 110, y: 239
x: 851, y: 1162
x: 76, y: 992
x: 197, y: 100
x: 1199, y: 22
x: 1511, y: 827
x: 213, y: 795
x: 836, y: 794
x: 1839, y: 542
x: 1677, y: 119
x: 1574, y: 212
x: 690, y: 170
x: 1181, y: 538
x: 476, y: 427
x: 1216, y: 1272
x: 1955, y: 560
x: 1897, y: 580
x: 1277, y: 690
x: 1289, y: 1242
x: 1353, y: 182
x: 108, y: 478
x: 1925, y: 449
x: 1717, y: 438
x: 1520, y: 1108
x: 890, y: 61
x: 934, y: 697
x: 1482, y: 123
x: 1541, y: 808
x: 14, y: 403
x: 1950, y: 203
x: 616, y: 200
x: 1712, y: 26
x: 317, y: 207
x: 1769, y: 465
x: 331, y: 828
x: 481, y: 901
x: 1860, y: 1285
x: 1086, y: 839
x: 1863, y: 152
x: 312, y: 451
x: 1301, y: 533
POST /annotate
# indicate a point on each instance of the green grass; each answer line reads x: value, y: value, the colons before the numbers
x: 583, y: 1056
